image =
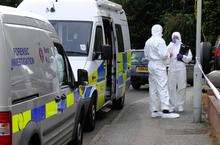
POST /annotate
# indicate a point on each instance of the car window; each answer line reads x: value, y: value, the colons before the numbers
x: 31, y: 73
x: 137, y: 55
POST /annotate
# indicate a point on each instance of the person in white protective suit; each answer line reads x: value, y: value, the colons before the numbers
x: 180, y: 55
x: 157, y: 53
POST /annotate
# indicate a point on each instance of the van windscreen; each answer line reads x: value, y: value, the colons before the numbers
x: 75, y: 36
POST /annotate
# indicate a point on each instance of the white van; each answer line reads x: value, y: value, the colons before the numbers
x: 39, y: 99
x: 96, y: 38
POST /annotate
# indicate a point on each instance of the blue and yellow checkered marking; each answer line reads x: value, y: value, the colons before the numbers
x: 38, y: 114
x: 101, y: 73
x: 87, y: 92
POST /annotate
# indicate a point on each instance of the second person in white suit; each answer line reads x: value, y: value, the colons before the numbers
x: 179, y: 57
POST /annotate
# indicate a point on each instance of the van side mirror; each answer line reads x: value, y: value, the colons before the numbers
x: 82, y: 76
x: 106, y: 52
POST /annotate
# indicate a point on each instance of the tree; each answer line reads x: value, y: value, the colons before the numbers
x: 174, y: 15
x: 183, y: 23
x: 211, y: 21
x: 12, y: 3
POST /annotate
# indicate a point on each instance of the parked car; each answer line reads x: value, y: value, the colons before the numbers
x: 139, y: 69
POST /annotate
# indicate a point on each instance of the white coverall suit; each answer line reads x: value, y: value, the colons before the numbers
x: 177, y: 73
x: 157, y: 53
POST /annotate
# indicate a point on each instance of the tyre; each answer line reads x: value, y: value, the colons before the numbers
x: 119, y: 104
x: 34, y: 140
x: 136, y: 85
x: 91, y: 117
x: 78, y: 136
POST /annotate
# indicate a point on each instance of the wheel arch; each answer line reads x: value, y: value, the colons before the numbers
x: 31, y: 132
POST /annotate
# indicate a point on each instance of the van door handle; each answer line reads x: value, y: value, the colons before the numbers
x: 63, y: 97
x: 57, y: 99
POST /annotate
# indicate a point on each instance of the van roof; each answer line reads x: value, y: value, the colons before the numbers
x: 11, y: 15
x: 79, y: 10
x: 5, y: 10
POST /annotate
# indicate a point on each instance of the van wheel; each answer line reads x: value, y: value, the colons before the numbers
x: 78, y: 137
x: 34, y: 140
x: 91, y: 117
x: 119, y: 104
x: 136, y: 85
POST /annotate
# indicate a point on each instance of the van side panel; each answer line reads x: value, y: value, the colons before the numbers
x: 28, y: 52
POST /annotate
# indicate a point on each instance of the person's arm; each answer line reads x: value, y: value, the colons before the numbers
x: 170, y: 49
x: 170, y: 53
x: 187, y: 58
x: 163, y: 50
x: 146, y: 51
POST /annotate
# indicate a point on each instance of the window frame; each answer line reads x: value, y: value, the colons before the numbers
x: 67, y: 69
x: 70, y: 53
x: 95, y: 50
x: 119, y: 34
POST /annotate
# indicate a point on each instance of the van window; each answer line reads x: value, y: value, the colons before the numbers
x: 32, y: 72
x: 98, y: 39
x: 75, y: 36
x: 63, y: 68
x: 119, y: 38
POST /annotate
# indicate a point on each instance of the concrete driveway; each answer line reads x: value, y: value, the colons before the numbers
x: 134, y: 126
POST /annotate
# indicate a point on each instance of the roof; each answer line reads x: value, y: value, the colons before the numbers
x: 83, y: 10
x: 15, y: 16
x: 13, y: 11
x: 80, y: 10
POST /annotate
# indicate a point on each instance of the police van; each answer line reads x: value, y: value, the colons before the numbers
x: 40, y: 103
x: 96, y: 38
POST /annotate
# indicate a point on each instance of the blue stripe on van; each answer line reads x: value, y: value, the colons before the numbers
x: 120, y: 80
x: 87, y: 92
x: 38, y: 114
x: 101, y: 73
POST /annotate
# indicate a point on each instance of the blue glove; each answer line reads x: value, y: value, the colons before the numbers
x: 179, y: 57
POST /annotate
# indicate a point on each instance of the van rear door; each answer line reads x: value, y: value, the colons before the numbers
x: 121, y: 59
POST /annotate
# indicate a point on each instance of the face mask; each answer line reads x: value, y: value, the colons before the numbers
x: 175, y: 39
